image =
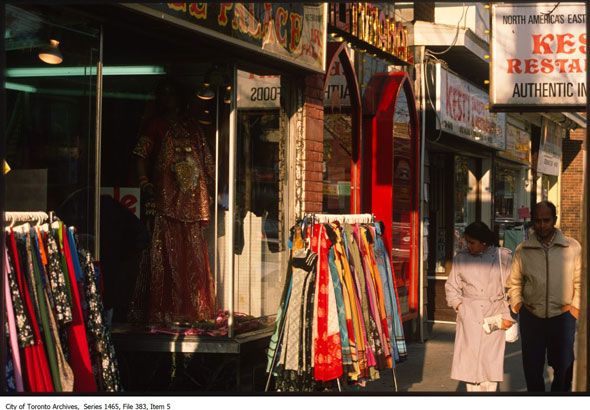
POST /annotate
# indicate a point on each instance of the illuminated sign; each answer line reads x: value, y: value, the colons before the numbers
x: 370, y: 25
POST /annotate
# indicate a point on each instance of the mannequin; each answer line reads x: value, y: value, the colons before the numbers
x: 176, y: 174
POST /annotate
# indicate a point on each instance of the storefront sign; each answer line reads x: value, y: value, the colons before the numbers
x: 291, y: 31
x: 538, y: 56
x: 549, y: 161
x: 462, y: 111
x: 258, y: 91
x: 337, y: 94
x: 129, y: 197
x: 371, y: 25
x: 518, y: 145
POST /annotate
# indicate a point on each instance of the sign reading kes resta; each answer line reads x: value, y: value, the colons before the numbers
x: 538, y: 56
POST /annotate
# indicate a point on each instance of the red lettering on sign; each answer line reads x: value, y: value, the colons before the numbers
x: 541, y: 45
x: 296, y: 28
x: 558, y: 43
x: 530, y: 66
x: 513, y: 65
x: 222, y: 18
x: 177, y: 6
x: 129, y: 201
x: 198, y: 10
x: 280, y: 22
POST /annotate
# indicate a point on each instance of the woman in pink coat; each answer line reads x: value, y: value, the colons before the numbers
x: 475, y: 291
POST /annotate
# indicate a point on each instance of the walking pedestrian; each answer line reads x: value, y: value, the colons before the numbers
x: 544, y: 288
x: 475, y: 290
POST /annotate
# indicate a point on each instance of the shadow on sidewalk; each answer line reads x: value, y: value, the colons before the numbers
x: 428, y: 366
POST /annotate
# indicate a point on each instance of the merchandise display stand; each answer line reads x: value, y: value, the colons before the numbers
x: 311, y: 220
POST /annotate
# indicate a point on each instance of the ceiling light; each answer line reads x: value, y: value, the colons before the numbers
x: 205, y: 92
x: 50, y: 53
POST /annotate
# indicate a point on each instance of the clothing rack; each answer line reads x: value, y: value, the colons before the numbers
x: 325, y: 218
x: 11, y: 218
x: 344, y: 218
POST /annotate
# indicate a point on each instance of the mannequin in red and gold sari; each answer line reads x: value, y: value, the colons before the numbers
x: 176, y: 174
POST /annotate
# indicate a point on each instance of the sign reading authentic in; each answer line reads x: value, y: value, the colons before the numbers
x: 294, y: 32
x: 538, y: 56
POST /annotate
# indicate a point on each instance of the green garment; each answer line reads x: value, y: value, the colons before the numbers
x: 40, y: 296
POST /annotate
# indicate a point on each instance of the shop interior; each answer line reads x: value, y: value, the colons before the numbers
x: 54, y: 118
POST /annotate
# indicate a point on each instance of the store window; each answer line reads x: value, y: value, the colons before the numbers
x: 260, y: 254
x: 505, y: 193
x: 403, y: 198
x: 51, y: 122
x: 338, y: 141
x: 465, y: 197
x: 194, y: 148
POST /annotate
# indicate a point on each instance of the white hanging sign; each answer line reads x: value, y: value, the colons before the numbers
x: 538, y: 56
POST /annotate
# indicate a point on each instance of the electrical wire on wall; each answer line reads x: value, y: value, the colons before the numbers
x: 454, y: 42
x: 431, y: 58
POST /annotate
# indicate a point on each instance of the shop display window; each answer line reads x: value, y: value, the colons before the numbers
x: 505, y: 193
x: 466, y: 180
x: 192, y: 171
x: 51, y: 115
x: 260, y: 252
x: 338, y: 142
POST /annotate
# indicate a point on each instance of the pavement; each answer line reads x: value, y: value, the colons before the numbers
x: 428, y: 367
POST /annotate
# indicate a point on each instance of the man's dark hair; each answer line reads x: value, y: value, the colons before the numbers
x: 549, y: 205
x: 480, y: 231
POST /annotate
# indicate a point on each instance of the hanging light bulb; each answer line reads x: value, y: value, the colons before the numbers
x: 205, y: 117
x: 227, y: 94
x: 50, y: 53
x: 205, y: 92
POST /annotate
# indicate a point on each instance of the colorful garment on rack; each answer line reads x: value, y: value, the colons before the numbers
x: 294, y: 366
x: 45, y: 287
x: 12, y: 334
x: 347, y: 323
x: 36, y: 376
x: 58, y: 282
x: 104, y: 360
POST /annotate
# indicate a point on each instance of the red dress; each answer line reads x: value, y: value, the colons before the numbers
x: 180, y: 281
x: 37, y: 375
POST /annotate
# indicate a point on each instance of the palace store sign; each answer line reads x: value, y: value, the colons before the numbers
x: 293, y: 32
x: 538, y: 56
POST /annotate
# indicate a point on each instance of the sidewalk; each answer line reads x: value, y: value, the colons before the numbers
x: 428, y: 367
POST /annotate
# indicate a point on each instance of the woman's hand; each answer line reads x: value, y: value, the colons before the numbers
x: 507, y: 324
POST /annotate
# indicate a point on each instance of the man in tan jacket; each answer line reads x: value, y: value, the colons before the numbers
x: 544, y: 288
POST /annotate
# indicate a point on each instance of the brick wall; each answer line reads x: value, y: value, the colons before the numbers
x: 314, y: 143
x: 572, y: 184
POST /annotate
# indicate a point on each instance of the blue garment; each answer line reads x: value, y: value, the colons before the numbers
x: 396, y: 330
x: 74, y: 255
x: 344, y: 340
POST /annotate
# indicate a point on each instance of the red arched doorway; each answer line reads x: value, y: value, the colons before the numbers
x: 391, y: 170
